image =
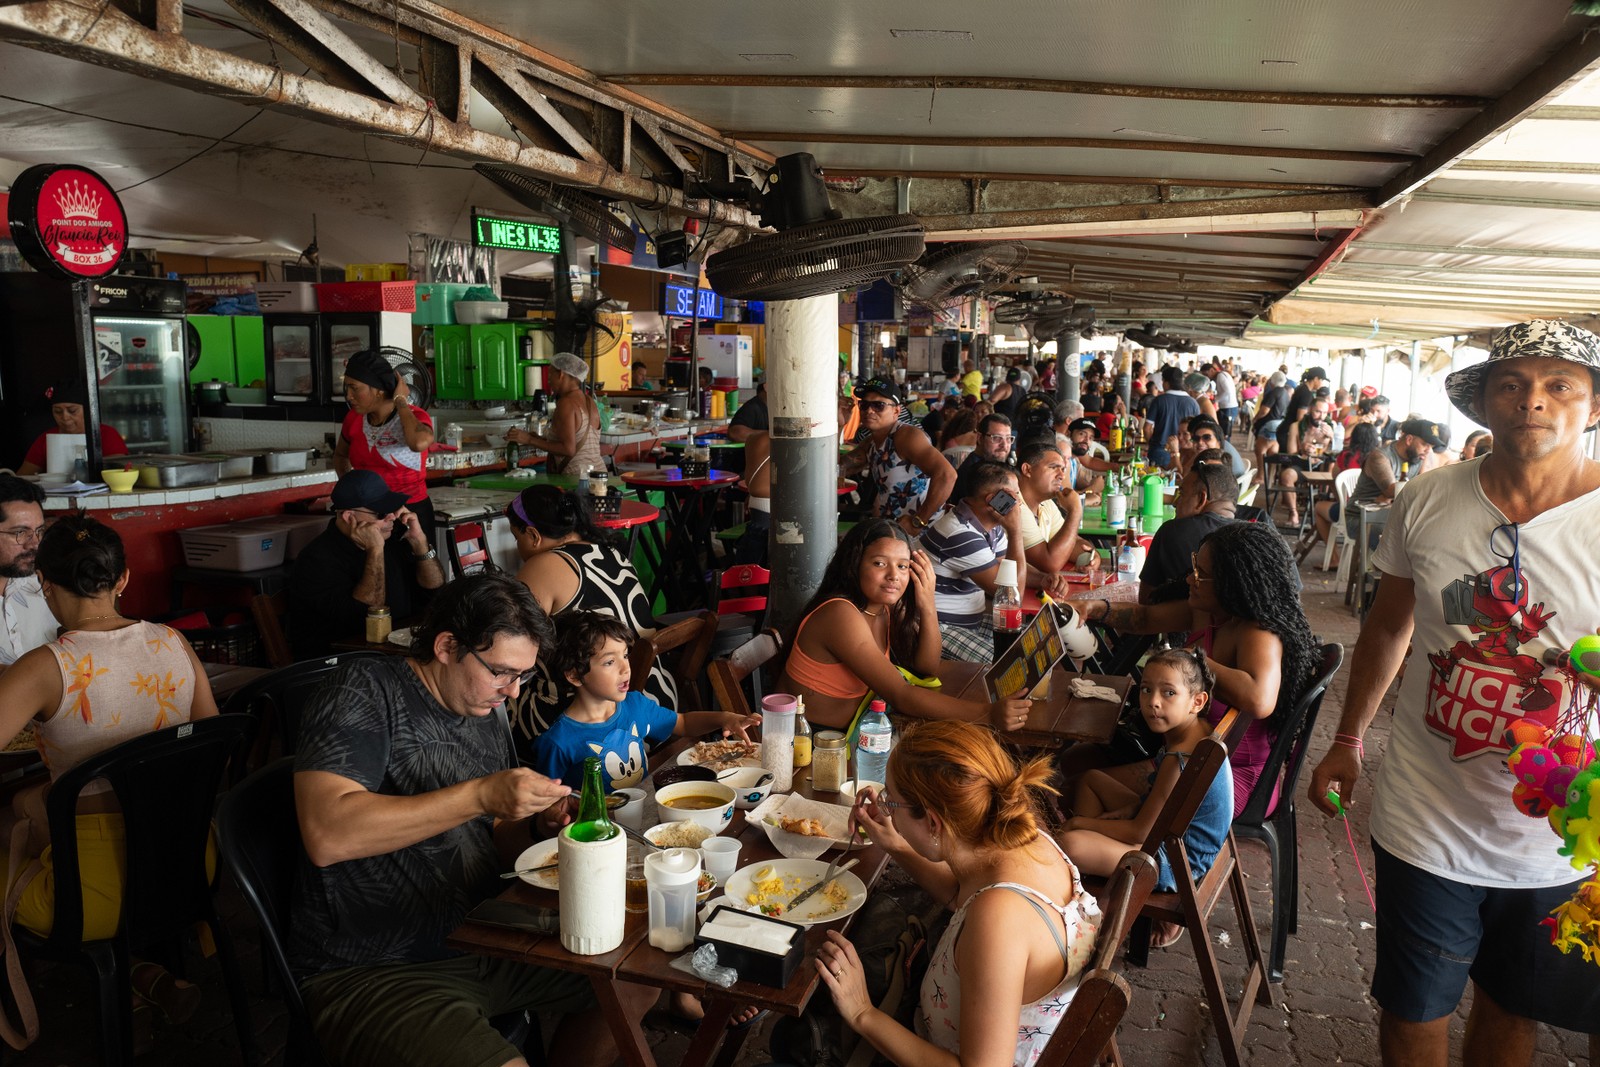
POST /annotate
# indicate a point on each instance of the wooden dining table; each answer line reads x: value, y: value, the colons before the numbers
x: 636, y: 961
x: 1056, y: 719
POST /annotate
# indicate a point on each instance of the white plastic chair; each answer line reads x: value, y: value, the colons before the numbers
x: 1244, y: 481
x: 1344, y: 483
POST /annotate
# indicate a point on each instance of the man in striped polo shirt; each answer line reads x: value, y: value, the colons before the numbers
x: 966, y: 544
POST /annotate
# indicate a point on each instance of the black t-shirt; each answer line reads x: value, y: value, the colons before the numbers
x: 1173, y: 546
x: 376, y: 724
x: 752, y: 413
x: 323, y: 610
x: 1298, y: 404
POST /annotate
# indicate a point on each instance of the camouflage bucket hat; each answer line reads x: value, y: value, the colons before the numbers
x: 1546, y: 338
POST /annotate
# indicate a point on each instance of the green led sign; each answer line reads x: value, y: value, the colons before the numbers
x: 519, y: 236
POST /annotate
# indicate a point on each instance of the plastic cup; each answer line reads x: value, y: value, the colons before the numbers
x: 721, y: 857
x: 635, y: 898
x: 632, y: 813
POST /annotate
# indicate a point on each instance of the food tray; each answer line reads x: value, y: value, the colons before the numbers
x: 610, y: 504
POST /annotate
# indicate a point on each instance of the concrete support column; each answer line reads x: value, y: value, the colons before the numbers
x: 1416, y: 372
x: 1067, y: 385
x: 803, y: 391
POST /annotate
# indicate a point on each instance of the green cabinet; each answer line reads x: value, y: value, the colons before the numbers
x: 478, y: 362
x: 452, y: 362
x: 232, y: 349
x: 249, y: 350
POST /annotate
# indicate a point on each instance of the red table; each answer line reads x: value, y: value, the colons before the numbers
x: 686, y: 544
x: 632, y: 515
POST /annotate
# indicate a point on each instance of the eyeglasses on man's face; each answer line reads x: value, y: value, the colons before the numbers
x: 999, y: 438
x: 23, y: 536
x: 504, y: 677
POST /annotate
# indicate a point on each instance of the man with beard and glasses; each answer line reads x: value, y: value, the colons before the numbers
x: 25, y: 619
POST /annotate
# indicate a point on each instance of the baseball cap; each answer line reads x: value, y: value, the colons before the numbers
x: 1314, y: 372
x: 882, y: 386
x: 1547, y: 338
x: 365, y: 489
x: 1369, y: 391
x: 1432, y: 432
x: 1083, y: 424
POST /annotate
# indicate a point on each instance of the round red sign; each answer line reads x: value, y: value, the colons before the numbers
x: 67, y: 221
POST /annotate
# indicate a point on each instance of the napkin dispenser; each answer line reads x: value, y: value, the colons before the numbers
x: 759, y: 965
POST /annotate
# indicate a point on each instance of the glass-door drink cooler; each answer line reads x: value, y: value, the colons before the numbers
x: 140, y: 354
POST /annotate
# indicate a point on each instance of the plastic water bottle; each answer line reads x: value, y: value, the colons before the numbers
x: 1130, y: 561
x: 1007, y: 611
x: 873, y: 740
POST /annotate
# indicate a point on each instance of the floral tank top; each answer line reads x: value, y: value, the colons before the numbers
x: 901, y: 484
x: 939, y: 1007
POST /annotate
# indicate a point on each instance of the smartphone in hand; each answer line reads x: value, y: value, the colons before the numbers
x: 1002, y: 502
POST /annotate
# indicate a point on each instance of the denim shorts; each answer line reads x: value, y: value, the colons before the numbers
x: 1269, y: 430
x: 1435, y: 933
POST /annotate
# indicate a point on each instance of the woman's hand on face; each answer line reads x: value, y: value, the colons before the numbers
x: 922, y: 578
x: 841, y: 971
x: 878, y: 821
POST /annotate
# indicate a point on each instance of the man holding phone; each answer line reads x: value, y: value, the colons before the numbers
x: 372, y: 554
x: 966, y: 545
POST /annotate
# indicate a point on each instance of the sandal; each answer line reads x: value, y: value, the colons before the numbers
x: 676, y: 1020
x: 173, y: 999
x: 1165, y: 935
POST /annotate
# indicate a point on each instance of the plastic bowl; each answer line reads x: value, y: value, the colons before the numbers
x: 120, y: 481
x: 715, y: 819
x: 749, y: 788
x: 666, y: 776
x: 653, y: 834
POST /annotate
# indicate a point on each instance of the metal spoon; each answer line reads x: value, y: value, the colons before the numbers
x: 631, y: 832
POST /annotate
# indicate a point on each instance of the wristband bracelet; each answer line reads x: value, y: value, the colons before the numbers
x: 1350, y: 741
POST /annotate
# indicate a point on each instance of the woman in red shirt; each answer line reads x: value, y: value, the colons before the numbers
x: 385, y: 434
x: 67, y: 407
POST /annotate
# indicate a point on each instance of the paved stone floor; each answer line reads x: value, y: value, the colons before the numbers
x: 1326, y: 1016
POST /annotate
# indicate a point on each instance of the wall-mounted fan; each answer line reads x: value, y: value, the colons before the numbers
x: 949, y: 276
x: 814, y: 252
x: 1045, y: 316
x: 1151, y: 337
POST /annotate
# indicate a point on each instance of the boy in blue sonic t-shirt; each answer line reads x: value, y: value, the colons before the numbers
x: 606, y: 718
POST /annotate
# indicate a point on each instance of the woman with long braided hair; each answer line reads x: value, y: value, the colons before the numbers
x: 1244, y: 612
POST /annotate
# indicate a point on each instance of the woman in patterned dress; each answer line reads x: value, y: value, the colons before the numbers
x: 571, y: 564
x: 964, y: 820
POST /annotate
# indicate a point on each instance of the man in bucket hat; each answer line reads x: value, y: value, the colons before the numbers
x: 1485, y: 565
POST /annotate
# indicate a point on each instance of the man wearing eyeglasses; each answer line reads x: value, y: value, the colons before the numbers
x: 1485, y: 566
x: 410, y: 806
x: 373, y: 554
x: 26, y: 621
x: 995, y: 438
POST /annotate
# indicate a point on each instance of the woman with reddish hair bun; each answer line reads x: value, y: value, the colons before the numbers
x: 964, y: 820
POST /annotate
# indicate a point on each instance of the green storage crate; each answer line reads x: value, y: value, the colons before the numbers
x: 436, y: 303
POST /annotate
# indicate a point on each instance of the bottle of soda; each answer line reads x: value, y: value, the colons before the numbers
x: 874, y: 738
x: 1007, y: 608
x: 592, y: 823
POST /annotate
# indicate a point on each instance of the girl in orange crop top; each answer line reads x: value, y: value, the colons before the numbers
x: 829, y: 679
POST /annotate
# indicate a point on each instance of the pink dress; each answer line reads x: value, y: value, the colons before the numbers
x: 1249, y: 757
x: 939, y: 1008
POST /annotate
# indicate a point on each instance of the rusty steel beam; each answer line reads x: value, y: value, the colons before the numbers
x: 111, y: 39
x: 1578, y: 59
x: 325, y: 48
x: 1329, y: 155
x: 1127, y: 212
x: 551, y: 73
x: 1053, y: 85
x: 845, y: 170
x: 1185, y: 250
x: 531, y: 106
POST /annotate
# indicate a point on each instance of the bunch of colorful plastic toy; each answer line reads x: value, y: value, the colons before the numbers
x: 1558, y: 779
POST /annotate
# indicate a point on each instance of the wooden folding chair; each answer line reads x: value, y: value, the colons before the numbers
x: 1192, y: 904
x: 269, y: 612
x: 727, y: 676
x: 691, y: 640
x: 1087, y: 1033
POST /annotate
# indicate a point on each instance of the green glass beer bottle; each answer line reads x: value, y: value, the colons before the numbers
x: 592, y: 823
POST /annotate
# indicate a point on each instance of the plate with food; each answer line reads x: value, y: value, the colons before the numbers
x: 24, y: 744
x: 768, y: 887
x: 541, y: 855
x: 721, y: 755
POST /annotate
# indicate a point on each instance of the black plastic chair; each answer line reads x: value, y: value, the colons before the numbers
x: 1278, y: 830
x: 258, y: 836
x: 278, y: 698
x: 166, y: 783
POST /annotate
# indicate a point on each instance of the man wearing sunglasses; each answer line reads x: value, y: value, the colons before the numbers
x: 372, y: 554
x: 909, y: 478
x: 1485, y: 566
x: 411, y: 806
x: 1206, y: 433
x: 26, y: 621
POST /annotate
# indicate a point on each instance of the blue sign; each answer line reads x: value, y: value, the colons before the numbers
x: 685, y: 302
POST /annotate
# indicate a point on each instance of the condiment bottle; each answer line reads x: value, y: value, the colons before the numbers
x: 802, y: 736
x: 379, y: 623
x: 830, y: 761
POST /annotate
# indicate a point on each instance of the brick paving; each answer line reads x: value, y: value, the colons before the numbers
x: 1326, y: 1016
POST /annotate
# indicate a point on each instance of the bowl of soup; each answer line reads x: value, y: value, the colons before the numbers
x: 710, y: 804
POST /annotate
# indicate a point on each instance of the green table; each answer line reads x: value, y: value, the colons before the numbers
x: 506, y: 484
x: 1094, y: 522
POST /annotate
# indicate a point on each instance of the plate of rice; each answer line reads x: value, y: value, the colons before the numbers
x: 681, y: 834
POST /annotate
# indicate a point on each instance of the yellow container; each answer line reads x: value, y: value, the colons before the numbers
x: 376, y: 272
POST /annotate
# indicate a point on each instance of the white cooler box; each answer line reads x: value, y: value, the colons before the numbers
x: 239, y: 546
x: 300, y: 530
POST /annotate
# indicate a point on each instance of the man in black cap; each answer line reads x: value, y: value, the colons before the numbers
x: 1082, y: 468
x: 910, y: 479
x: 373, y: 554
